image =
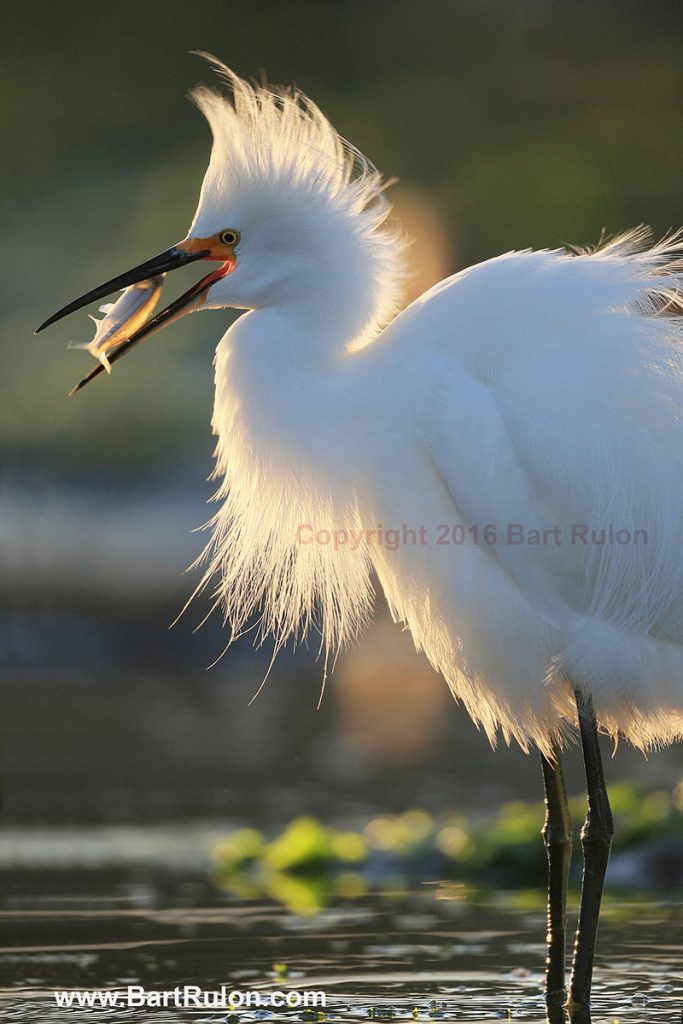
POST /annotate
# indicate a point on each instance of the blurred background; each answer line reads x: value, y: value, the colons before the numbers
x: 507, y: 124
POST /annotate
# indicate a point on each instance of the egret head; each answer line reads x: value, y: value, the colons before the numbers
x: 289, y: 212
x: 299, y: 196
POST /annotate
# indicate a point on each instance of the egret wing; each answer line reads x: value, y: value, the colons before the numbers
x: 565, y: 410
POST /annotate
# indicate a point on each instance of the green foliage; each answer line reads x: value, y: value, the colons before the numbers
x: 308, y: 864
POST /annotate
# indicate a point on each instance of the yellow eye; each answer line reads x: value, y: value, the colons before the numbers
x: 229, y: 237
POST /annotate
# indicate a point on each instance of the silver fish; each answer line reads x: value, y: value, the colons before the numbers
x: 123, y: 318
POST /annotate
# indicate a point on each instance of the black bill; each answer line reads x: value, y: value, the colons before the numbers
x: 170, y: 259
x: 167, y: 260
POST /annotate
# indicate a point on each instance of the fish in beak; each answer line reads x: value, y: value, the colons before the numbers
x: 127, y: 329
x: 123, y: 318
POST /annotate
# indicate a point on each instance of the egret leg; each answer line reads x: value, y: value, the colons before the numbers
x: 596, y: 838
x: 557, y: 836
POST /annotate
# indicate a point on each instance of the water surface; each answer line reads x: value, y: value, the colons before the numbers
x: 424, y: 954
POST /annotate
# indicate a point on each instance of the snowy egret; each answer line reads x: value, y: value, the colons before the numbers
x: 505, y: 455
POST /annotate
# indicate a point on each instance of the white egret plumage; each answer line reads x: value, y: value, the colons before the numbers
x: 519, y: 427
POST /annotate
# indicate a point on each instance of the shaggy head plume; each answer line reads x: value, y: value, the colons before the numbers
x: 274, y: 149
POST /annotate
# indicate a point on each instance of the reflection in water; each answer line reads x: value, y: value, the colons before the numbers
x: 416, y: 955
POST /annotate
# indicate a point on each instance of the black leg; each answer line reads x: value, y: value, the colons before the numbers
x: 557, y: 836
x: 596, y: 837
x: 557, y: 1014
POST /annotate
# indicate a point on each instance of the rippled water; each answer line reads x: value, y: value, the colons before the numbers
x: 418, y: 955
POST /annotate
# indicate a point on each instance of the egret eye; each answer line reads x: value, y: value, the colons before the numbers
x: 229, y: 237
